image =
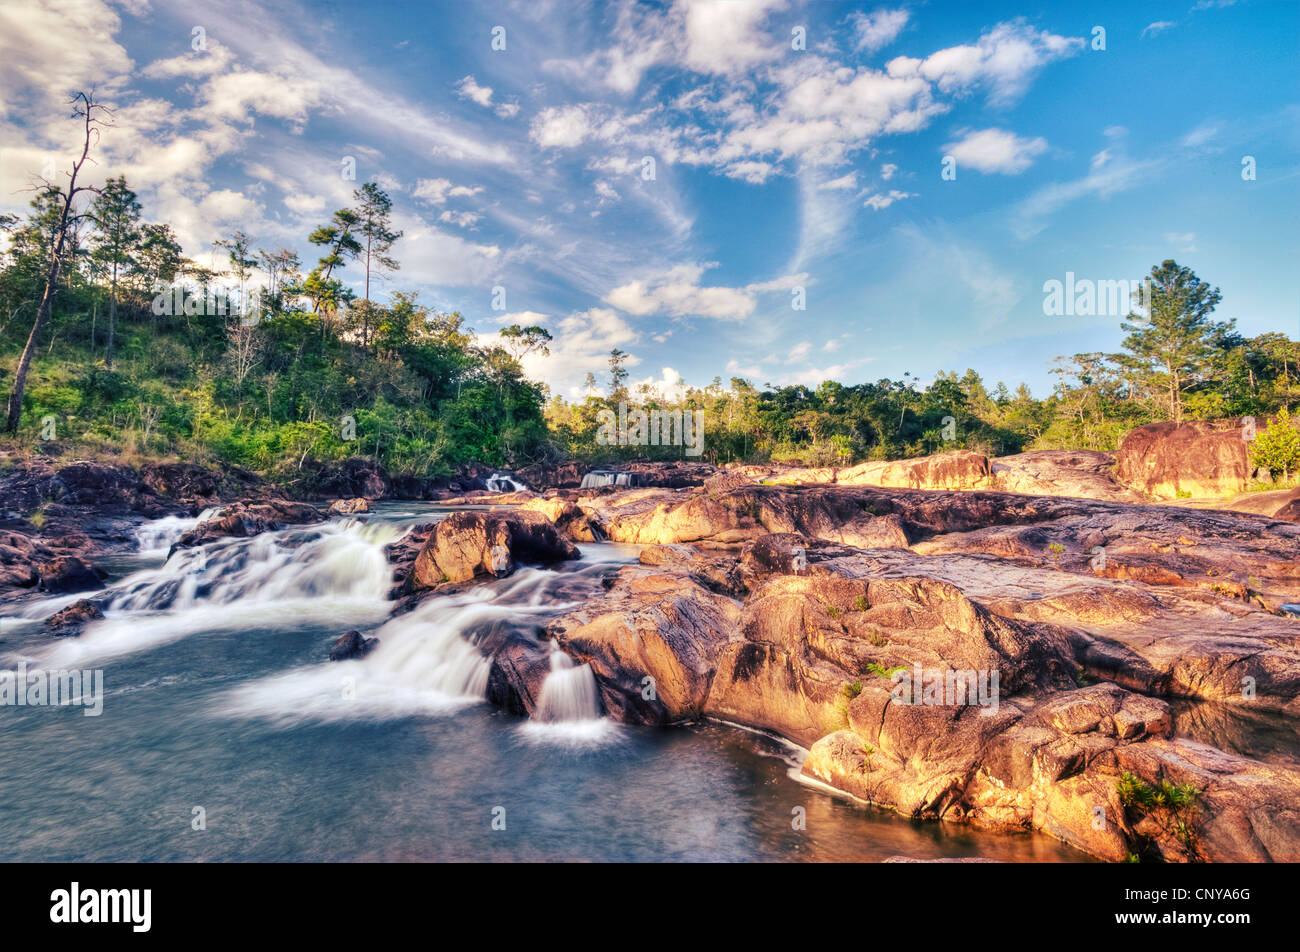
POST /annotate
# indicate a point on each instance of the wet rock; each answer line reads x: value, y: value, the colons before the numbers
x: 345, y: 507
x: 1200, y: 458
x: 66, y: 574
x: 352, y: 646
x: 249, y: 518
x: 69, y: 622
x: 468, y: 545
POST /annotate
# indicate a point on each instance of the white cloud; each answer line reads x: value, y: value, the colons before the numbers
x: 995, y: 150
x: 468, y: 88
x: 1004, y: 60
x: 843, y: 183
x: 887, y: 171
x: 437, y: 191
x: 876, y: 30
x: 799, y: 352
x: 677, y: 293
x: 1158, y: 27
x: 881, y: 201
x: 460, y: 219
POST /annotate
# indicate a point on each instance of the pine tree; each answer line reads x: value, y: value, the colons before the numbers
x: 117, y: 215
x: 1175, y: 346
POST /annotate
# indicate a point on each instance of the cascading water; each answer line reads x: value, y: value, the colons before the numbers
x: 332, y: 573
x: 503, y: 483
x: 569, y: 691
x: 598, y: 478
x: 157, y: 536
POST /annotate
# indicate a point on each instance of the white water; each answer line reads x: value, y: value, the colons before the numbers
x: 501, y: 483
x: 569, y: 712
x: 569, y: 691
x: 596, y: 480
x: 334, y: 574
x: 424, y: 662
x: 157, y: 536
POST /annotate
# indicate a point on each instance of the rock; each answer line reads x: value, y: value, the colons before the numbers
x: 66, y: 574
x: 543, y: 476
x: 352, y: 646
x: 572, y: 521
x: 1082, y: 474
x: 68, y: 622
x: 351, y: 478
x: 1200, y: 458
x: 467, y: 545
x: 249, y: 518
x: 1289, y: 510
x: 344, y: 507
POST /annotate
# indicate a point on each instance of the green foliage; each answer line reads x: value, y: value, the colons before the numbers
x: 1277, y: 447
x: 1172, y: 807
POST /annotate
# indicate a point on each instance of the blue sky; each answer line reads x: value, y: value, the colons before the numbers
x: 775, y: 168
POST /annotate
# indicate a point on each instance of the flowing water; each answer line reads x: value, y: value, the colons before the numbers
x: 226, y: 734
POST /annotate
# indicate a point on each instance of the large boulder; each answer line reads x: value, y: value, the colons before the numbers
x: 571, y: 520
x: 351, y: 478
x: 66, y: 574
x: 543, y: 476
x: 469, y: 545
x: 1199, y: 458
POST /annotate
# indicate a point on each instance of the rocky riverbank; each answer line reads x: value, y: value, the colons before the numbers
x: 801, y: 610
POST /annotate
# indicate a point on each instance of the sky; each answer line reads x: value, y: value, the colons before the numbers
x: 778, y: 190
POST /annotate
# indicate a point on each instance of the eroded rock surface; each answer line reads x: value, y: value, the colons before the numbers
x: 806, y: 609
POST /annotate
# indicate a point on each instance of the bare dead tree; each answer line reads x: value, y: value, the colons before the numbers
x: 84, y: 107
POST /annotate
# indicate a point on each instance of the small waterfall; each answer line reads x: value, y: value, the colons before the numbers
x: 334, y: 574
x: 156, y: 536
x: 597, y: 478
x: 504, y: 483
x: 569, y: 692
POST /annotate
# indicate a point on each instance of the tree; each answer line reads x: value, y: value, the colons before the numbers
x: 617, y: 375
x: 240, y: 255
x: 117, y: 215
x: 84, y: 107
x: 1174, y: 347
x: 1277, y: 447
x: 338, y: 238
x: 522, y: 341
x: 374, y: 212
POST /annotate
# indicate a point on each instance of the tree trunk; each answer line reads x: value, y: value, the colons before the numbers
x: 24, y: 362
x: 112, y: 319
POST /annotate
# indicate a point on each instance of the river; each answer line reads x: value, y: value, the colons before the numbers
x: 226, y: 735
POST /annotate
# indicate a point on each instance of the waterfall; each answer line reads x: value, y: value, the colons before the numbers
x: 597, y: 478
x: 569, y: 691
x: 426, y: 661
x: 330, y: 574
x: 504, y: 483
x: 156, y: 536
